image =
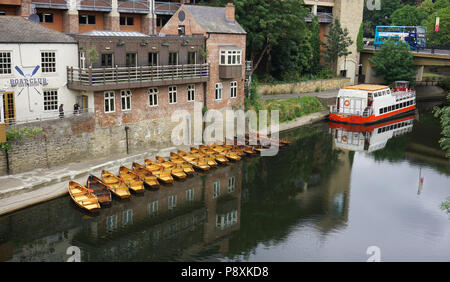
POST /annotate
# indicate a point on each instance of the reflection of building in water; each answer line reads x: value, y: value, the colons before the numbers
x: 174, y: 222
x: 369, y: 138
x: 327, y: 199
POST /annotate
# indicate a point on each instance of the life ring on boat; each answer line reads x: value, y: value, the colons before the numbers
x: 347, y: 103
x: 344, y: 138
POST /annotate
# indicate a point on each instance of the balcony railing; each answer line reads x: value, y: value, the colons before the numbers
x: 322, y: 17
x: 97, y: 79
x: 53, y: 4
x: 166, y: 8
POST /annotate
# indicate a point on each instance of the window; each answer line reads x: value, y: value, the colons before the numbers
x: 126, y: 100
x: 231, y: 184
x: 2, y: 13
x: 48, y: 61
x: 127, y: 217
x: 181, y: 30
x: 389, y: 108
x: 153, y: 208
x: 109, y: 102
x: 152, y: 59
x: 173, y: 59
x: 172, y: 201
x: 111, y: 222
x: 218, y: 91
x: 86, y: 19
x: 233, y: 89
x: 230, y: 57
x: 45, y: 18
x: 216, y: 189
x: 153, y: 97
x: 190, y: 195
x: 131, y: 59
x: 172, y: 94
x: 5, y: 62
x: 191, y: 93
x: 126, y: 20
x: 107, y: 60
x: 82, y: 60
x: 192, y: 58
x: 50, y: 100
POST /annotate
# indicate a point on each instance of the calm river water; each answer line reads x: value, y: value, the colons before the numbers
x: 330, y: 196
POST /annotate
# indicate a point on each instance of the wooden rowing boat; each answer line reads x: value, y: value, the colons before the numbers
x: 134, y: 182
x: 157, y: 170
x: 83, y: 197
x: 176, y: 170
x: 100, y: 190
x: 195, y: 162
x: 210, y: 160
x: 148, y: 177
x: 116, y: 185
x: 228, y: 153
x: 176, y: 159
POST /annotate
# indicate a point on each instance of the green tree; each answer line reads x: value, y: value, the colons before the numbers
x: 337, y: 44
x: 315, y: 45
x: 360, y: 38
x: 408, y: 15
x: 444, y: 115
x: 379, y: 17
x: 442, y: 37
x: 394, y: 61
x: 427, y: 7
x: 274, y: 27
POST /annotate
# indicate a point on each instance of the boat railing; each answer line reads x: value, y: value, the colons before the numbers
x: 366, y: 113
x: 402, y: 95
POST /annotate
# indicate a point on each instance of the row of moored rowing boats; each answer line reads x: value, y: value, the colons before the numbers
x: 98, y: 192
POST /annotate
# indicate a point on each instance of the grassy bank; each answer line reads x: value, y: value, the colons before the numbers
x: 290, y: 109
x: 293, y: 108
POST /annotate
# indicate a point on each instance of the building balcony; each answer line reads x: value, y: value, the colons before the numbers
x: 166, y: 8
x: 103, y: 79
x: 51, y: 4
x: 230, y: 71
x: 322, y: 17
x: 135, y: 6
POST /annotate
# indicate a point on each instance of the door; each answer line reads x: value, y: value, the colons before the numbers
x: 83, y: 100
x: 9, y: 108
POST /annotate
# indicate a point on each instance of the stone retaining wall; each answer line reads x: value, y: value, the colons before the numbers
x: 303, y: 87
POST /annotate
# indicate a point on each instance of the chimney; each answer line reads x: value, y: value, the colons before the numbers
x: 229, y: 12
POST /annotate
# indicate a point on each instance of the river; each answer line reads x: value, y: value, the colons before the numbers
x: 335, y: 194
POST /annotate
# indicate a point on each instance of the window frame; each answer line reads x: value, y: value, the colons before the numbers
x: 127, y: 99
x: 109, y: 99
x: 218, y: 90
x: 48, y: 66
x: 87, y: 18
x: 54, y: 103
x: 4, y: 64
x: 233, y: 89
x: 153, y: 92
x: 191, y: 92
x: 173, y: 92
x: 230, y: 57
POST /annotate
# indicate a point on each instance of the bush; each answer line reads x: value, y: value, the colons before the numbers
x: 445, y: 83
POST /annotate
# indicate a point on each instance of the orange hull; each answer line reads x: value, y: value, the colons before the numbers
x: 370, y: 119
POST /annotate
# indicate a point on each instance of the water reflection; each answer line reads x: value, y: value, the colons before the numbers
x: 172, y: 223
x: 318, y: 199
x: 360, y: 138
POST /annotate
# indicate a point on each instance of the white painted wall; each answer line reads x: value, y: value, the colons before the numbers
x: 29, y: 101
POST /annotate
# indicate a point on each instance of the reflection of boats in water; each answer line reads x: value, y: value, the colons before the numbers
x: 369, y: 138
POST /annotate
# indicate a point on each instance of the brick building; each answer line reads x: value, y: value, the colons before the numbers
x: 225, y: 43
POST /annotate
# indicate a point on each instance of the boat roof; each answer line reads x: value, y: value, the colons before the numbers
x: 367, y: 87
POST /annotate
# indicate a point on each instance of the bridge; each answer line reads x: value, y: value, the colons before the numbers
x: 426, y: 60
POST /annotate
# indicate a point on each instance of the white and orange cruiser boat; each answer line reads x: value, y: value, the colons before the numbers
x: 368, y: 103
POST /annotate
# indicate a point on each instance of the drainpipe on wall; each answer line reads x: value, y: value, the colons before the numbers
x: 126, y: 134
